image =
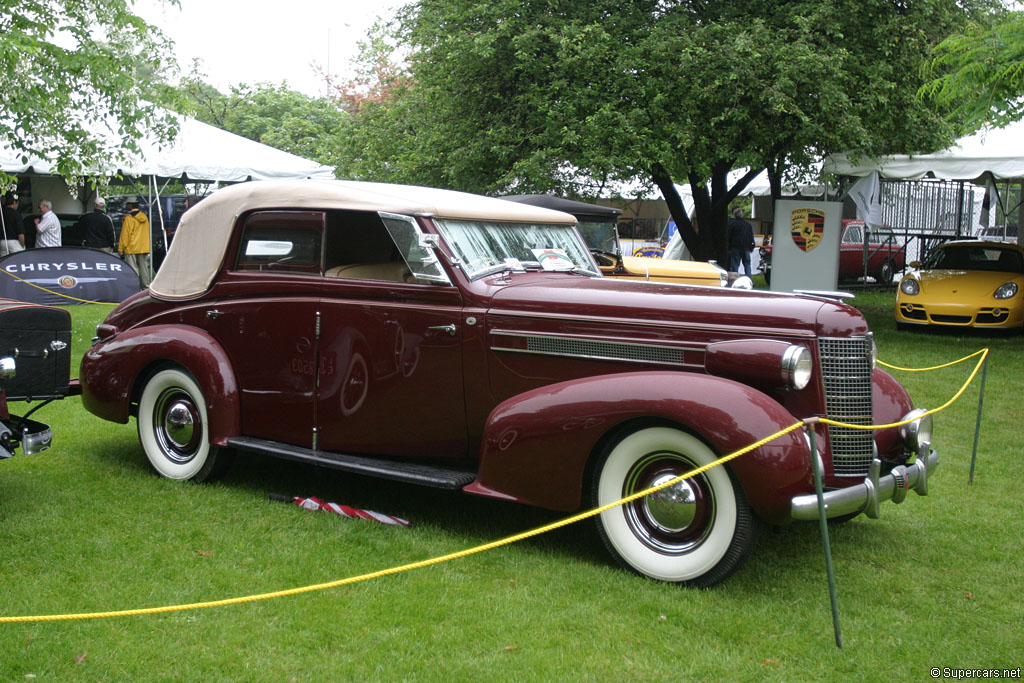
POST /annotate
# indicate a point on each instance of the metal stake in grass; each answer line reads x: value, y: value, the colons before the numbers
x: 977, y: 425
x: 823, y: 523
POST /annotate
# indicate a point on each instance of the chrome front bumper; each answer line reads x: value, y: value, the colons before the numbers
x: 867, y: 496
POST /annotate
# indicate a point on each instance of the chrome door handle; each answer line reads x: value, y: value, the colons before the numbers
x: 213, y: 314
x: 449, y: 328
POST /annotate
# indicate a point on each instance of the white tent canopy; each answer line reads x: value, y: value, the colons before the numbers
x: 199, y: 152
x: 999, y: 151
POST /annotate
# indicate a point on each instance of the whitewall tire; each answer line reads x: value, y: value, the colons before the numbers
x: 174, y: 429
x: 697, y: 531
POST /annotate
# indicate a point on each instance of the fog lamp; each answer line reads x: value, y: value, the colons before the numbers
x: 917, y: 435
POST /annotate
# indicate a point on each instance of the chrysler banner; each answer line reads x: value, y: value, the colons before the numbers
x: 62, y: 276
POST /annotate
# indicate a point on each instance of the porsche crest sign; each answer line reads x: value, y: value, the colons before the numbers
x: 805, y: 244
x: 807, y: 228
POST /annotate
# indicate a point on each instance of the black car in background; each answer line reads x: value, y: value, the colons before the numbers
x: 35, y: 365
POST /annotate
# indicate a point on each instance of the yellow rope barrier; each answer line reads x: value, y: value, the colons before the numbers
x: 935, y: 367
x: 508, y: 540
x: 50, y: 291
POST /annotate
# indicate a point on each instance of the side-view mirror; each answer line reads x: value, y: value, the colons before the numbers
x: 915, y: 264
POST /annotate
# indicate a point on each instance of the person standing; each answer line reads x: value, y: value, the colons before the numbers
x: 47, y: 226
x: 741, y: 242
x: 134, y: 243
x: 98, y: 228
x: 13, y: 239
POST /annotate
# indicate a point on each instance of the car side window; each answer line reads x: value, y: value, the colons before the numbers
x: 282, y: 242
x: 362, y: 245
x: 853, y: 235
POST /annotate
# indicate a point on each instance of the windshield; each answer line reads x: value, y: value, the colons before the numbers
x: 599, y: 236
x: 975, y: 257
x: 484, y: 247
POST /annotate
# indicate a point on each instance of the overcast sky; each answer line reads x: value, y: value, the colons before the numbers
x: 254, y: 41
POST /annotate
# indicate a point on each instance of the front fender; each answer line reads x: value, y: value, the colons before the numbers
x: 111, y: 370
x: 536, y: 445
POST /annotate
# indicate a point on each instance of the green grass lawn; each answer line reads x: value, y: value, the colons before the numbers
x: 85, y: 527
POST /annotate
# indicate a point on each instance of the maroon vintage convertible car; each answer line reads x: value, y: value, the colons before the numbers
x: 471, y: 343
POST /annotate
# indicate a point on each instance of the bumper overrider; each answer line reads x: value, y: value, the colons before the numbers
x: 868, y: 495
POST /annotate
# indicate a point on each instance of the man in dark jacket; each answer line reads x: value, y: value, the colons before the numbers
x: 12, y: 240
x: 741, y: 242
x: 98, y: 228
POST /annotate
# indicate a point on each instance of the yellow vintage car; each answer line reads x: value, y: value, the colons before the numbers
x: 597, y: 225
x: 616, y: 264
x: 966, y: 284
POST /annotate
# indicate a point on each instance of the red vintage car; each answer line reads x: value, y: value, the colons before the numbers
x: 881, y: 258
x: 471, y: 343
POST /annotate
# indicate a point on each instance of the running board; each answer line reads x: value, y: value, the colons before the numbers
x: 409, y: 472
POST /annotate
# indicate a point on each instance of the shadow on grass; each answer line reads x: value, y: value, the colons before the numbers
x: 478, y: 520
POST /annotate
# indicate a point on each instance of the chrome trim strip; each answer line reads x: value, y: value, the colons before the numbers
x: 775, y: 333
x: 590, y: 349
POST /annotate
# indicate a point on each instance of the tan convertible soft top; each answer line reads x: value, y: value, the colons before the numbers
x: 205, y: 230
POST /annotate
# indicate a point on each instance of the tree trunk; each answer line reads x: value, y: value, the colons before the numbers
x: 678, y: 212
x: 711, y: 210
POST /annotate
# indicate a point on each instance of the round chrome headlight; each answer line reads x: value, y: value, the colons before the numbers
x: 910, y: 287
x: 797, y: 366
x: 1007, y: 291
x: 917, y: 434
x: 8, y: 368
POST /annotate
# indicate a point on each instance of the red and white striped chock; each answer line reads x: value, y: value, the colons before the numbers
x: 320, y: 505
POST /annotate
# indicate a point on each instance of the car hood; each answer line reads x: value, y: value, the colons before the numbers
x: 610, y: 301
x: 963, y: 283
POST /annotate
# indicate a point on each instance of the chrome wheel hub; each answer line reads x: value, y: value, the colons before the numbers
x: 673, y: 508
x: 177, y: 425
x: 676, y: 519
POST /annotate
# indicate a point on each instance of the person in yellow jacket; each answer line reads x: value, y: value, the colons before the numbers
x: 134, y: 243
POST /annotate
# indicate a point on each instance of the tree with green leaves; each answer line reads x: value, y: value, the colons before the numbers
x: 980, y: 73
x: 69, y: 69
x: 514, y: 95
x: 271, y: 114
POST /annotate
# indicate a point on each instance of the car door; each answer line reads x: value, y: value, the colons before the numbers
x: 263, y: 313
x: 390, y: 354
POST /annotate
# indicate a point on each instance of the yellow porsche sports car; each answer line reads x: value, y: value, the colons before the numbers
x: 966, y: 284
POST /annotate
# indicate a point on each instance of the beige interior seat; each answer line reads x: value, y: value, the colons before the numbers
x: 389, y: 272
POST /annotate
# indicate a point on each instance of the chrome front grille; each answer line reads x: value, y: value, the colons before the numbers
x: 846, y: 372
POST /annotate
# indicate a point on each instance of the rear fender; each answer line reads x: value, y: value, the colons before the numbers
x: 113, y: 373
x: 537, y: 445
